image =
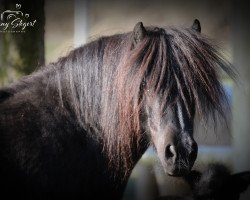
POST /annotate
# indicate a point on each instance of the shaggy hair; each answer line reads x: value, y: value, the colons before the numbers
x: 105, y: 81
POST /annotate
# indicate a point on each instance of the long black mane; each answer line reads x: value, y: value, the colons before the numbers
x: 101, y: 85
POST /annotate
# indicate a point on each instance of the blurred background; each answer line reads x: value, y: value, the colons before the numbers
x: 51, y: 29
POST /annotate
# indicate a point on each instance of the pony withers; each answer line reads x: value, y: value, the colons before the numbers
x: 77, y: 127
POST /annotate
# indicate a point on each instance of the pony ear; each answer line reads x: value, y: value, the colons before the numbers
x: 196, y: 26
x: 241, y: 181
x: 139, y: 33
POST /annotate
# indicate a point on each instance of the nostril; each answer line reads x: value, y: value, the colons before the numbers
x: 170, y: 152
x: 193, y: 152
x: 195, y: 147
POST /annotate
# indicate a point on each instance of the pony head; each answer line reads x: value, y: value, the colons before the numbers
x: 169, y: 75
x: 164, y: 77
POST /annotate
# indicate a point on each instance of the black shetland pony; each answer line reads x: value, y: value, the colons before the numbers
x: 76, y: 128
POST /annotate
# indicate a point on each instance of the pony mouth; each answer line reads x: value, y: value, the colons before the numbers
x: 175, y: 175
x: 178, y: 172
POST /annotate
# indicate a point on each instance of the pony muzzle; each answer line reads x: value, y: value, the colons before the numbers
x: 180, y: 159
